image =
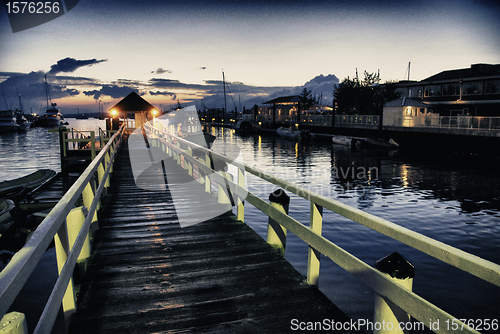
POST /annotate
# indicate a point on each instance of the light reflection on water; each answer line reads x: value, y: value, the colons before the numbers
x: 455, y: 200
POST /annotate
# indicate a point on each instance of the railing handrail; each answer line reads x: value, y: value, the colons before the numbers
x: 413, y: 304
x: 479, y: 267
x: 16, y: 273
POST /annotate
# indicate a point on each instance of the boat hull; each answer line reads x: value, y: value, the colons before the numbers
x: 342, y: 140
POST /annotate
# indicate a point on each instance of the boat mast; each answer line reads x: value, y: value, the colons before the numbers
x: 47, y: 92
x: 6, y: 104
x: 224, y: 84
x: 20, y: 103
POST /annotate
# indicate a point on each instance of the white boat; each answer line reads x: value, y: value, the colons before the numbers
x: 293, y: 134
x: 342, y: 140
x: 53, y: 117
x: 21, y: 120
x: 8, y: 121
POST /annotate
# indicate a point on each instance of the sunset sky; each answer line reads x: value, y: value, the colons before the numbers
x: 169, y: 50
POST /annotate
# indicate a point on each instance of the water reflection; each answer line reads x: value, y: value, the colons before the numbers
x: 452, y: 199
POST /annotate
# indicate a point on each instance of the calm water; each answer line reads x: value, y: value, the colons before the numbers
x: 453, y: 199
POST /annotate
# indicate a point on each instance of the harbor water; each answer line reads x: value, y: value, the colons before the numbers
x: 454, y: 199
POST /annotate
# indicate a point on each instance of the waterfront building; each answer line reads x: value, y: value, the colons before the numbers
x: 473, y: 91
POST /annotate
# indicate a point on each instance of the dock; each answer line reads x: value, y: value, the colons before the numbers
x: 150, y: 275
x: 128, y: 262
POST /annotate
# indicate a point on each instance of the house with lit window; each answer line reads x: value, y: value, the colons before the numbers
x: 473, y: 91
x: 408, y: 113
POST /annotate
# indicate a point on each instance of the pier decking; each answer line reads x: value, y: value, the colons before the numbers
x: 147, y: 274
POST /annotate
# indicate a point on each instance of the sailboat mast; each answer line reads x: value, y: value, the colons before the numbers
x: 6, y: 104
x: 224, y: 84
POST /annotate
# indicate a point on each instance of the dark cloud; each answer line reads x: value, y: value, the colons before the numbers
x: 160, y: 70
x: 71, y: 65
x: 173, y: 95
x: 175, y: 84
x: 113, y: 91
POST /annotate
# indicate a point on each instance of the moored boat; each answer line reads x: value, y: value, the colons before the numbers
x: 243, y: 127
x: 293, y: 134
x: 6, y: 218
x: 23, y: 123
x: 53, y: 117
x: 8, y: 121
x: 16, y: 188
x: 342, y: 140
x: 376, y: 142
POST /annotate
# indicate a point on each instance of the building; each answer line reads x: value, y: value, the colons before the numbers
x: 473, y: 91
x: 408, y: 112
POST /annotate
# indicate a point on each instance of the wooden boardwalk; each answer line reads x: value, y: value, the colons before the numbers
x: 149, y: 275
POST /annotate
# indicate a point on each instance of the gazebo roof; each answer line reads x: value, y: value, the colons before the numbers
x: 405, y: 102
x: 133, y: 103
x: 285, y: 99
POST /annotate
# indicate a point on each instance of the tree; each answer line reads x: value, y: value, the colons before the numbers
x: 362, y: 97
x: 306, y: 99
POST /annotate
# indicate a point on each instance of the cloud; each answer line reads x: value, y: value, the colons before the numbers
x: 173, y: 95
x: 160, y: 70
x: 113, y: 91
x: 71, y: 65
x: 175, y: 84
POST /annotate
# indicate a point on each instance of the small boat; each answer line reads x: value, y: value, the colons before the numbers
x: 342, y: 140
x: 23, y: 123
x: 6, y: 218
x: 243, y: 127
x: 293, y: 134
x: 376, y: 142
x: 17, y: 189
x: 82, y: 116
x: 8, y: 121
x: 15, y: 193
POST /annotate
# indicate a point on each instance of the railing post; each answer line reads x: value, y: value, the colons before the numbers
x: 224, y: 193
x: 315, y: 225
x: 276, y: 234
x: 208, y: 163
x: 62, y: 246
x: 386, y: 312
x: 92, y: 144
x: 14, y: 323
x: 241, y: 204
x: 75, y: 220
x: 88, y: 196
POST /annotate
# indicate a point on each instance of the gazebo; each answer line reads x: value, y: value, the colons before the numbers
x: 142, y: 109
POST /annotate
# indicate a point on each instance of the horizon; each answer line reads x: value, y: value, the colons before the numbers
x: 97, y: 53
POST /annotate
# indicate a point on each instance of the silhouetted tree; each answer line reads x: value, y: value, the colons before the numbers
x: 363, y: 97
x: 306, y: 99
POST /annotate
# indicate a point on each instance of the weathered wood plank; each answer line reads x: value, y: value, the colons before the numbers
x: 147, y: 274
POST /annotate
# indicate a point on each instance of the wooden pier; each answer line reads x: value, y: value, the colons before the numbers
x: 147, y: 274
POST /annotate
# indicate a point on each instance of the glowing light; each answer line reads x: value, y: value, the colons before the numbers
x: 154, y: 111
x: 113, y: 112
